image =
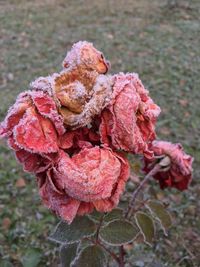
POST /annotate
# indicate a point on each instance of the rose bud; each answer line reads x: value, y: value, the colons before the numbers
x: 176, y: 166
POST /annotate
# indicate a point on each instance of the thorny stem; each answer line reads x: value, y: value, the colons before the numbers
x: 130, y: 209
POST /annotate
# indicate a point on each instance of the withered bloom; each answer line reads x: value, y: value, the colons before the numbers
x: 93, y: 178
x: 179, y: 171
x: 81, y: 88
x: 128, y: 122
x: 33, y: 123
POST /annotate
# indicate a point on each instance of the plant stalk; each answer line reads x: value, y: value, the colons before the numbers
x: 130, y: 209
x: 121, y: 256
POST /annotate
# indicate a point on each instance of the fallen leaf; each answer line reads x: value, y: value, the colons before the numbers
x: 186, y: 114
x: 182, y: 82
x: 6, y: 223
x: 20, y: 183
x: 183, y: 102
x: 165, y: 131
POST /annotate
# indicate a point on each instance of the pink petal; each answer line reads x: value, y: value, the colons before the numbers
x: 180, y: 173
x: 35, y: 133
x: 47, y: 108
x: 128, y: 122
x: 85, y: 208
x: 15, y: 113
x: 61, y: 204
x: 32, y: 162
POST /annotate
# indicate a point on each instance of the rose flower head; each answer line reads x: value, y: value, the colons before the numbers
x: 128, y: 122
x: 93, y: 178
x: 178, y: 173
x: 80, y: 84
x: 33, y: 123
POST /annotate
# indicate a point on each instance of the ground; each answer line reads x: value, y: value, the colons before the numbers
x: 156, y: 40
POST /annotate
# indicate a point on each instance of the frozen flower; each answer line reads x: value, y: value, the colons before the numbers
x: 78, y: 108
x: 128, y: 122
x: 178, y: 173
x: 33, y: 123
x: 84, y: 55
x: 81, y: 89
x: 93, y: 178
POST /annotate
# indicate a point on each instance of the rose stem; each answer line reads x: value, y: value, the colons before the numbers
x: 130, y: 209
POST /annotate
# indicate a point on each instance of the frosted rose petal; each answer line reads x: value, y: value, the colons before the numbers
x: 47, y: 108
x: 14, y: 115
x: 35, y: 133
x: 61, y: 204
x: 128, y: 122
x: 180, y: 173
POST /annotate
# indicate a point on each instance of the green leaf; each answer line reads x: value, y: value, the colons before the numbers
x: 32, y: 257
x: 83, y: 244
x: 161, y: 214
x: 95, y: 216
x: 67, y: 254
x: 70, y: 233
x: 91, y: 256
x: 113, y: 215
x: 118, y: 232
x: 146, y: 225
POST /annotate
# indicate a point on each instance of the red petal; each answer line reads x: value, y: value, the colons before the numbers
x: 32, y: 162
x: 35, y: 133
x: 47, y: 107
x: 15, y: 113
x: 62, y: 205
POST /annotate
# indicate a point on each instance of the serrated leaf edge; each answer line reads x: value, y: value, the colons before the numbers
x: 119, y: 244
x: 156, y: 217
x: 148, y: 243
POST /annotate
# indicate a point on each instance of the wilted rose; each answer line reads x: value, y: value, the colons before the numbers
x: 33, y: 123
x: 179, y: 171
x: 93, y: 178
x: 128, y: 122
x: 81, y: 89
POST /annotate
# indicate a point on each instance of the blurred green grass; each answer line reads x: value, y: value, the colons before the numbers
x: 147, y: 37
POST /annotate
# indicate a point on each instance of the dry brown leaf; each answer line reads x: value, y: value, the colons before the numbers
x: 20, y: 183
x: 165, y: 131
x: 6, y: 223
x: 183, y: 102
